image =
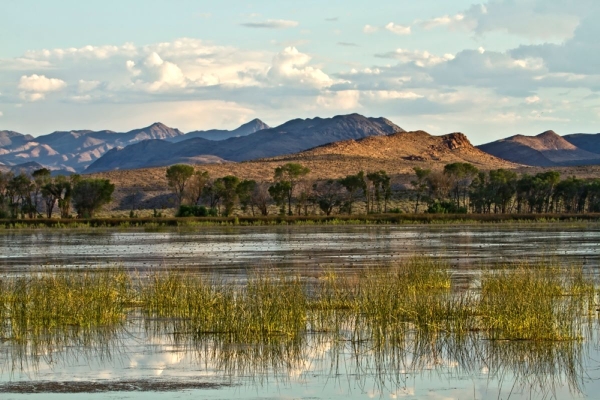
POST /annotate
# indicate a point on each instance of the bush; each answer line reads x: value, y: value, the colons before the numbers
x: 196, y: 211
x: 445, y: 207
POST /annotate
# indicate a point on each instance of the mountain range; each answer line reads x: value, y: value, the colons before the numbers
x: 348, y: 137
x: 548, y: 149
x: 75, y: 150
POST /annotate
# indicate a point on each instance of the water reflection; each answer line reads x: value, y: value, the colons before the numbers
x: 160, y: 355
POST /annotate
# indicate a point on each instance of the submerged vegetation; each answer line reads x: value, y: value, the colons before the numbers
x: 529, y: 302
x: 529, y: 320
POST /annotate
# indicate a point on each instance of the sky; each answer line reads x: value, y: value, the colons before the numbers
x: 489, y: 69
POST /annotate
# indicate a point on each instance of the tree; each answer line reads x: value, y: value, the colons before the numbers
x: 18, y: 190
x: 260, y: 198
x: 328, y: 195
x: 290, y: 174
x: 420, y: 185
x: 91, y: 194
x: 354, y: 184
x: 65, y: 190
x: 279, y: 192
x: 244, y: 190
x: 227, y: 192
x: 381, y: 188
x: 461, y: 176
x: 196, y: 185
x: 41, y: 178
x: 177, y: 178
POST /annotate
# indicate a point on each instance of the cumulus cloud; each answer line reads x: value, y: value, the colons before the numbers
x: 35, y: 86
x: 1, y: 113
x: 398, y: 29
x: 272, y: 24
x: 291, y: 67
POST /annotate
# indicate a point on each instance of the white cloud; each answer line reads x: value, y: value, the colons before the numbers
x: 532, y: 19
x: 368, y: 29
x: 446, y: 20
x: 291, y: 67
x: 342, y: 100
x: 398, y: 29
x: 418, y: 58
x: 87, y: 86
x: 39, y: 83
x: 391, y: 95
x: 532, y: 99
x: 85, y: 52
x: 34, y: 87
x: 272, y: 24
x: 1, y: 114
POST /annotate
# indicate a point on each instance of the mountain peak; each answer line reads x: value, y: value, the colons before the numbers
x: 548, y: 134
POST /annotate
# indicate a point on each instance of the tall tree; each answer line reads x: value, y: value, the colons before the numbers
x: 41, y: 178
x: 177, y: 179
x: 91, y: 194
x: 289, y: 174
x: 354, y: 185
x: 244, y: 190
x: 420, y: 185
x: 227, y: 187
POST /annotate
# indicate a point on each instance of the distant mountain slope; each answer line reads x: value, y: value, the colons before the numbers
x: 417, y: 148
x: 10, y: 139
x: 291, y: 137
x: 216, y: 134
x: 585, y: 141
x: 544, y: 150
x: 75, y: 150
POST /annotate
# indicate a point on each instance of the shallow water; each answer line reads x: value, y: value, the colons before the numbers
x: 137, y: 362
x: 302, y: 248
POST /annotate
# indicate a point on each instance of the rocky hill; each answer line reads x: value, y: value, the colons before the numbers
x: 547, y: 149
x: 291, y: 137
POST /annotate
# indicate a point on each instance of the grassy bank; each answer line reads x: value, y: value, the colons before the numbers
x: 382, y: 219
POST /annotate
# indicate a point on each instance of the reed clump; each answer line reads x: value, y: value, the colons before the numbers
x: 47, y: 301
x: 535, y: 302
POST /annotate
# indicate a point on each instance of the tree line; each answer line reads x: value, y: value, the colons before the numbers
x: 40, y: 194
x: 458, y: 188
x: 197, y: 194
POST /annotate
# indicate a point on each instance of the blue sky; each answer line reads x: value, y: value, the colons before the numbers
x: 489, y: 69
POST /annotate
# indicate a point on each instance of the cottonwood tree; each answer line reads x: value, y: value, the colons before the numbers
x: 354, y: 185
x: 196, y: 186
x: 91, y: 194
x: 328, y: 195
x: 289, y: 175
x: 178, y: 176
x: 420, y: 185
x: 244, y: 191
x: 260, y: 198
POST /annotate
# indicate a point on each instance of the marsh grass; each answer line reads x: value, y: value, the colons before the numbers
x: 535, y: 302
x: 538, y: 302
x: 524, y: 324
x: 55, y: 300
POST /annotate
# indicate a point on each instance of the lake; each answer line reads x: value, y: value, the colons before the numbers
x: 151, y: 359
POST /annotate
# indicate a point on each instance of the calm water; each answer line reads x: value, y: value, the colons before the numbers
x: 135, y: 356
x: 226, y: 250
